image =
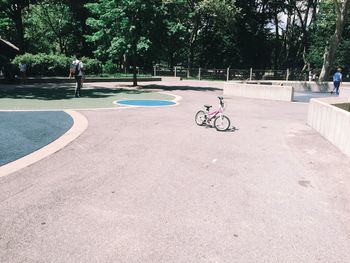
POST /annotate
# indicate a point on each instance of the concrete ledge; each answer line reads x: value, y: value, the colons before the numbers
x: 256, y: 91
x: 344, y: 92
x: 331, y: 122
x: 171, y: 78
x: 314, y: 86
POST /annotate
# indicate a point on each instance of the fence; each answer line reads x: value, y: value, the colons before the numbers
x: 233, y: 74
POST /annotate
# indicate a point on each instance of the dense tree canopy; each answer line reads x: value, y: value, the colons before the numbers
x: 276, y: 34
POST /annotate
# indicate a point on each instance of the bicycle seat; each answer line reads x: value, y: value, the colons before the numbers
x: 208, y: 106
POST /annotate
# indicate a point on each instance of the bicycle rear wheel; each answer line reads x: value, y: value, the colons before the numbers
x: 200, y: 118
x: 222, y: 123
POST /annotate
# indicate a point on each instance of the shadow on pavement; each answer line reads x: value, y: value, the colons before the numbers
x: 61, y: 93
x: 307, y: 96
x: 172, y: 88
x: 231, y: 129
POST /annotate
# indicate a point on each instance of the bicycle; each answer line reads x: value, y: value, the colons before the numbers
x: 221, y: 122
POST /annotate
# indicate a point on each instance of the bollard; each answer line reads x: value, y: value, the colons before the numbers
x: 175, y: 73
x: 251, y: 74
x: 228, y: 74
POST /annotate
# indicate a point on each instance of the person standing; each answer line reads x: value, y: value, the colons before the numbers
x: 77, y: 69
x: 337, y: 79
x: 23, y: 71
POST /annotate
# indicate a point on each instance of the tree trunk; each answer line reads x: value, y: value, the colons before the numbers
x: 193, y: 39
x: 134, y: 72
x: 17, y: 19
x: 328, y: 56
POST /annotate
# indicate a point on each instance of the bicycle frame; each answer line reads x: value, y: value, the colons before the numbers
x: 212, y: 114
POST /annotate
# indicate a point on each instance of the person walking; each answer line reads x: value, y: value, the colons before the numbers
x: 337, y: 79
x: 77, y: 69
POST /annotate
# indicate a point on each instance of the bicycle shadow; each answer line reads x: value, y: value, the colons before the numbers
x: 231, y: 129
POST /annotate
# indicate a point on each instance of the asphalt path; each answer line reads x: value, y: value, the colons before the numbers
x: 148, y: 185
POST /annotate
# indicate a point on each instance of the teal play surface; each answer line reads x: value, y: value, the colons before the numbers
x: 147, y: 103
x: 22, y: 133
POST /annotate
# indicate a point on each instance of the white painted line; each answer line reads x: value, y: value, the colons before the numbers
x: 79, y: 126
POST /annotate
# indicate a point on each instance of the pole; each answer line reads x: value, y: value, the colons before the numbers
x: 287, y: 77
x: 199, y: 73
x: 188, y: 73
x: 251, y: 74
x: 228, y: 74
x: 155, y: 71
x: 175, y: 72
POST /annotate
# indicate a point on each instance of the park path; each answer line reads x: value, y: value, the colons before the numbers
x: 148, y: 185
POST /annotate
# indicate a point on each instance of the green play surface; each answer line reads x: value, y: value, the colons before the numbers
x: 62, y: 97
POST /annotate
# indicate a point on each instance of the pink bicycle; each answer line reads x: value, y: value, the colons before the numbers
x: 221, y: 122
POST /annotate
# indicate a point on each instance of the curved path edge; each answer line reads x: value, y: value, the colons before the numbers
x: 80, y: 124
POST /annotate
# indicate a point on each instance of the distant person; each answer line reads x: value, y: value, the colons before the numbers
x: 77, y: 70
x: 337, y: 79
x: 23, y: 71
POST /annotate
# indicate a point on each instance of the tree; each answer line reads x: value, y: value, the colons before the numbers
x: 131, y: 28
x: 80, y: 29
x: 47, y: 31
x: 14, y: 10
x: 342, y: 9
x: 211, y: 21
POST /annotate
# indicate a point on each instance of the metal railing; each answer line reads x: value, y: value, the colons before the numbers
x: 234, y: 74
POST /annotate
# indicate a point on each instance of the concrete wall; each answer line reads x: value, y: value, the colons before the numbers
x: 256, y: 91
x: 298, y: 85
x: 331, y: 122
x: 344, y: 92
x: 171, y: 78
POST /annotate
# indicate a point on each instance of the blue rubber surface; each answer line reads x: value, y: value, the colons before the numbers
x: 22, y: 133
x: 146, y: 102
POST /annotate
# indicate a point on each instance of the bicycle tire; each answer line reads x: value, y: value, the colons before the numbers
x: 224, y: 123
x: 200, y: 118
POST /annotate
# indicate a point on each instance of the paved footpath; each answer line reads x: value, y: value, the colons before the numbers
x: 148, y: 185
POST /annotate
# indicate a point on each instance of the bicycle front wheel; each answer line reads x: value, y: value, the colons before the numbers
x: 200, y: 118
x: 222, y: 123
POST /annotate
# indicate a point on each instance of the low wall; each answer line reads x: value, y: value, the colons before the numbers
x: 256, y: 91
x: 331, y: 122
x: 344, y: 92
x: 313, y: 86
x: 171, y: 78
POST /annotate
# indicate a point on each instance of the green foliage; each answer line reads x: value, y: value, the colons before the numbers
x: 47, y: 31
x: 190, y: 33
x: 92, y: 66
x: 125, y: 27
x: 110, y: 67
x: 54, y: 65
x: 321, y: 32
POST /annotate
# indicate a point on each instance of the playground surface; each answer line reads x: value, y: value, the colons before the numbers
x: 148, y: 185
x: 61, y: 96
x: 22, y: 133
